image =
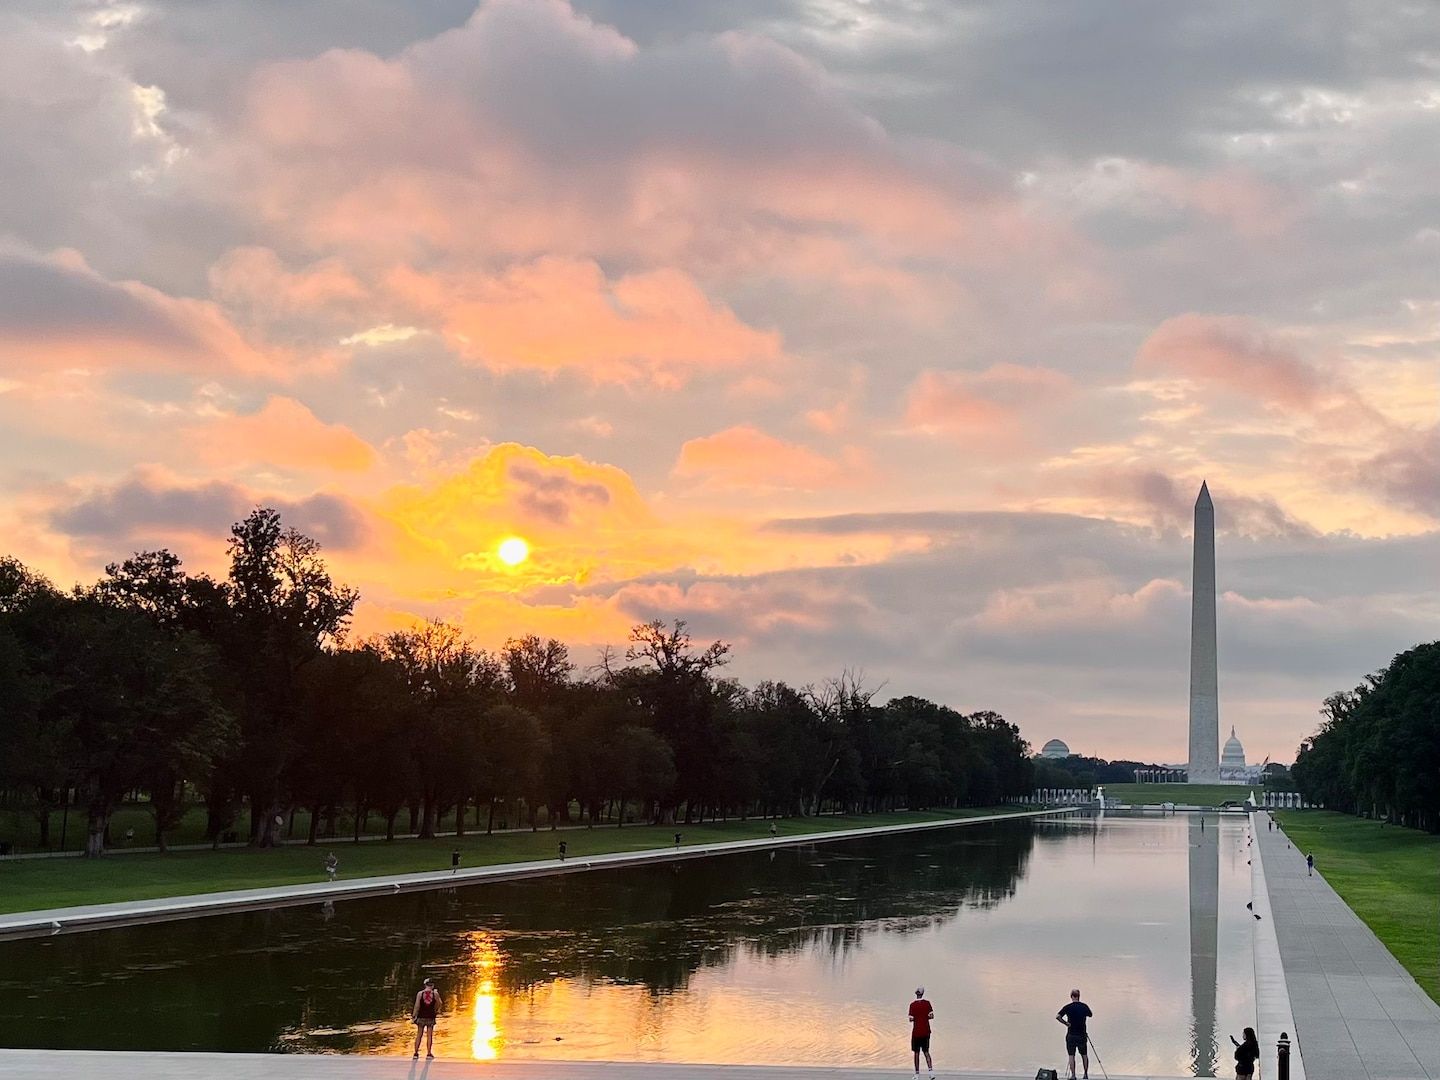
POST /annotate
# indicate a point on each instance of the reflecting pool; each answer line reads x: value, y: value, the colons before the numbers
x: 800, y: 956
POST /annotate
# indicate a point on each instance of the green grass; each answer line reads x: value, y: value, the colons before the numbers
x: 1389, y: 876
x: 1191, y: 794
x: 33, y: 884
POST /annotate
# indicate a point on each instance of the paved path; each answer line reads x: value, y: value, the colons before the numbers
x: 77, y: 1064
x: 1359, y: 1013
x: 98, y: 916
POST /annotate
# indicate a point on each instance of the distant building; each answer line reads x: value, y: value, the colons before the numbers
x: 1232, y: 764
x: 1234, y: 754
x: 1055, y: 749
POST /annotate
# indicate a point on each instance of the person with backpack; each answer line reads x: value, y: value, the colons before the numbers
x: 921, y: 1013
x: 427, y: 1008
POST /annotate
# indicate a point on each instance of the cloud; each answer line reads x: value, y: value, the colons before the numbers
x: 983, y: 404
x: 151, y: 508
x: 744, y: 457
x: 1409, y: 471
x: 283, y: 432
x: 560, y: 314
x: 1232, y: 354
x: 551, y: 495
x: 55, y: 312
x: 534, y: 131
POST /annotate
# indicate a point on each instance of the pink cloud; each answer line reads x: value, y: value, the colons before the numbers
x: 1233, y: 354
x: 561, y: 314
x: 253, y: 279
x: 983, y: 403
x: 532, y: 130
x: 746, y: 457
x: 285, y: 433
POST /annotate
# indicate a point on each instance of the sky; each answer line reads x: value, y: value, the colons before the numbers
x: 894, y: 336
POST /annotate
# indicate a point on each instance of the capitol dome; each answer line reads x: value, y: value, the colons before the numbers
x: 1057, y: 749
x: 1233, y: 756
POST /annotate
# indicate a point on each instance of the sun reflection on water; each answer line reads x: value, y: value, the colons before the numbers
x: 485, y: 1042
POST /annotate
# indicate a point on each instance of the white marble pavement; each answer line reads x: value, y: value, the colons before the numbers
x: 1359, y: 1014
x: 77, y: 1064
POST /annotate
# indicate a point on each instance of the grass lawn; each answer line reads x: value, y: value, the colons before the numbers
x: 31, y: 884
x: 1192, y: 794
x: 1390, y: 877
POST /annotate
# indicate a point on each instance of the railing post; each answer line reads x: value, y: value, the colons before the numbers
x: 1282, y: 1057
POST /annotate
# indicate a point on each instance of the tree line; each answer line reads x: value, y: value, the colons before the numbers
x: 244, y: 693
x: 1377, y: 751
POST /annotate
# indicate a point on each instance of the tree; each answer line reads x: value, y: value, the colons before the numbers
x: 453, y: 684
x: 284, y: 609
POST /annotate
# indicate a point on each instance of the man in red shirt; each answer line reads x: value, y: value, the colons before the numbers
x: 921, y: 1013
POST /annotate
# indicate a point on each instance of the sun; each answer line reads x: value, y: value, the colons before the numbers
x: 513, y: 551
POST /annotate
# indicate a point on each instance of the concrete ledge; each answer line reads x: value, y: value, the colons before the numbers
x: 98, y: 916
x: 1273, y: 1010
x: 65, y: 1064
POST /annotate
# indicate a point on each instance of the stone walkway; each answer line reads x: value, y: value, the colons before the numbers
x: 99, y: 916
x: 74, y: 1065
x: 1359, y: 1013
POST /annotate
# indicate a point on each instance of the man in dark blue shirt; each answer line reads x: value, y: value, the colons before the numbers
x: 1073, y: 1016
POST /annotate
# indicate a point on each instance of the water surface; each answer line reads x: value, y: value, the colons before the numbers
x: 800, y: 956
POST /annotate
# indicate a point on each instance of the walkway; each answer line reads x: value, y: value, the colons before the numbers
x: 99, y: 916
x: 1360, y: 1016
x: 76, y: 1064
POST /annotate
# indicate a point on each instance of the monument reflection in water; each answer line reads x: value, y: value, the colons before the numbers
x: 804, y: 956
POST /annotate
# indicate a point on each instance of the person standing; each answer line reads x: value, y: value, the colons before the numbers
x: 921, y: 1013
x: 455, y: 860
x: 1310, y: 865
x: 563, y: 848
x: 1077, y: 1039
x: 427, y: 1008
x: 332, y: 865
x: 1246, y: 1054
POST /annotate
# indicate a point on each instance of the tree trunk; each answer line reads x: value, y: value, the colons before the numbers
x: 490, y: 823
x: 314, y: 826
x: 461, y: 805
x: 390, y: 824
x: 97, y: 822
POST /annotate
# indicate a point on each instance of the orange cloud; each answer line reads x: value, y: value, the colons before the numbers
x: 285, y: 433
x: 1233, y: 354
x: 746, y: 457
x: 562, y: 314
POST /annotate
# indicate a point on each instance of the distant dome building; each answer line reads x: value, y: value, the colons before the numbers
x: 1233, y: 756
x: 1056, y: 749
x: 1233, y: 769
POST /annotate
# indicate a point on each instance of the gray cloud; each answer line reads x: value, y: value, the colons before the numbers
x: 551, y: 496
x: 144, y: 511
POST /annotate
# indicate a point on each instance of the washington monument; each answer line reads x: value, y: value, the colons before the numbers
x: 1204, y: 681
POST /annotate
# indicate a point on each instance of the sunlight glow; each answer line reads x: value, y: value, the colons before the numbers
x: 513, y: 551
x: 485, y: 1043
